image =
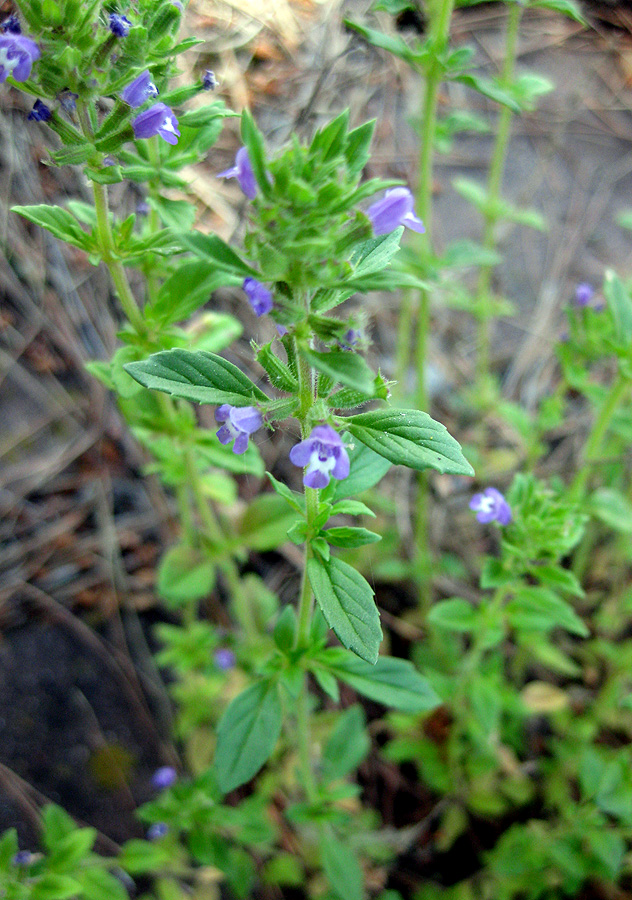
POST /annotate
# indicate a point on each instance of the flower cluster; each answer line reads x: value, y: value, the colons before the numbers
x: 491, y: 506
x: 322, y: 454
x: 237, y: 424
x: 17, y: 55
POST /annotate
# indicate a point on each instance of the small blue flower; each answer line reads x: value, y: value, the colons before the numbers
x: 157, y: 830
x: 39, y: 113
x: 119, y: 25
x: 158, y: 119
x: 11, y: 25
x: 22, y: 858
x: 237, y: 424
x: 584, y: 293
x: 139, y: 90
x: 351, y: 337
x: 224, y: 659
x: 209, y: 81
x: 258, y: 295
x: 242, y: 171
x: 394, y: 209
x: 323, y: 454
x: 68, y: 100
x: 17, y: 55
x: 164, y: 777
x: 491, y: 506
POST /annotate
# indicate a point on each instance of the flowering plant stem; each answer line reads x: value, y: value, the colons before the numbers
x: 496, y: 170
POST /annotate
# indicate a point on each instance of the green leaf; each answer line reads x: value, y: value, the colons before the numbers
x: 489, y: 89
x: 375, y: 255
x: 566, y: 7
x: 214, y: 250
x: 395, y: 45
x: 54, y: 887
x: 214, y: 331
x: 454, y: 614
x: 366, y: 468
x: 563, y: 579
x: 294, y: 499
x: 612, y: 508
x: 140, y: 857
x: 347, y: 746
x: 98, y: 884
x: 346, y: 600
x: 8, y: 848
x: 341, y: 867
x: 343, y: 366
x: 409, y: 438
x: 247, y: 734
x: 57, y: 826
x: 196, y: 375
x: 59, y: 222
x: 393, y: 682
x: 265, y: 522
x: 185, y: 574
x: 539, y: 609
x: 620, y: 303
x: 357, y: 152
x: 187, y: 289
x: 351, y: 507
x: 350, y: 536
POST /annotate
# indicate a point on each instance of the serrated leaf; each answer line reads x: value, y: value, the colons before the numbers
x: 246, y: 734
x: 346, y: 601
x: 393, y: 682
x: 409, y: 437
x: 375, y: 255
x: 344, y: 367
x: 196, y: 375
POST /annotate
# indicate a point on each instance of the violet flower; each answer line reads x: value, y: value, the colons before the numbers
x: 224, y: 658
x: 17, y: 55
x: 583, y: 294
x: 157, y: 830
x: 394, y: 209
x: 119, y: 25
x: 68, y: 100
x: 139, y: 90
x: 22, y: 858
x: 158, y: 119
x: 11, y: 25
x: 237, y: 424
x: 209, y: 81
x: 39, y: 113
x: 164, y: 777
x: 258, y: 295
x: 323, y: 454
x: 491, y: 506
x: 242, y: 171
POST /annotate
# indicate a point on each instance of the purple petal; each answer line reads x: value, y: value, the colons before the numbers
x: 246, y: 418
x: 258, y: 295
x: 158, y: 119
x: 223, y: 435
x: 228, y: 173
x: 316, y: 479
x: 410, y: 220
x: 222, y: 412
x: 241, y: 443
x: 326, y: 435
x: 139, y: 90
x: 17, y: 55
x: 341, y: 469
x: 300, y: 454
x: 245, y: 175
x: 584, y: 294
x: 393, y: 210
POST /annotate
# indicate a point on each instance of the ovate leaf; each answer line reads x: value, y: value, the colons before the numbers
x: 346, y: 600
x: 409, y: 437
x: 247, y: 734
x: 196, y: 375
x: 344, y: 367
x: 393, y: 682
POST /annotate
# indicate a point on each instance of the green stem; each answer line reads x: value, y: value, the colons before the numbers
x: 496, y: 171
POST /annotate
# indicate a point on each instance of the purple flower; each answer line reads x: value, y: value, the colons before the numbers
x: 282, y: 330
x: 140, y: 89
x: 350, y: 339
x: 17, y: 55
x: 119, y: 25
x: 164, y: 777
x: 394, y: 209
x: 242, y: 171
x: 238, y: 423
x: 258, y: 295
x: 22, y: 858
x: 157, y: 830
x: 209, y: 81
x: 158, y: 119
x: 68, y: 100
x: 583, y: 294
x: 324, y: 454
x: 224, y: 658
x: 39, y: 113
x: 142, y: 208
x: 11, y: 25
x: 491, y: 506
